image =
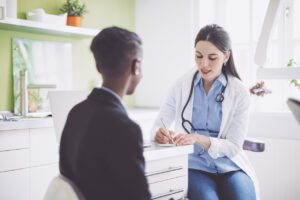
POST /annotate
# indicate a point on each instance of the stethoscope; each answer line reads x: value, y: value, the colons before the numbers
x: 219, y: 98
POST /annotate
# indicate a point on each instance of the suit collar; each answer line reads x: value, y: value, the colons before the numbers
x: 104, y: 96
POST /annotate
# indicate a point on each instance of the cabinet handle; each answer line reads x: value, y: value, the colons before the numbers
x: 170, y: 169
x: 167, y: 193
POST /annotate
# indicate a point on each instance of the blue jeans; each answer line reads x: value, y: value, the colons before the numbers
x: 234, y: 185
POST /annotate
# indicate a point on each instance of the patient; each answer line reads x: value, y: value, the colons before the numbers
x: 101, y: 148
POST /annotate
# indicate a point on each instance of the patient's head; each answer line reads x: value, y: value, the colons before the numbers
x: 118, y: 52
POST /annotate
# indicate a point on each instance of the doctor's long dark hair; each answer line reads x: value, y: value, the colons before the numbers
x: 219, y: 37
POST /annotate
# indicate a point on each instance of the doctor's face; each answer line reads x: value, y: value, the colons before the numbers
x: 209, y: 60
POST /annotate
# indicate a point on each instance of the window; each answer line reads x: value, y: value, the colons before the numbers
x: 244, y: 21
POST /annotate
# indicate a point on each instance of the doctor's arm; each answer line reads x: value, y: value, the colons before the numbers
x: 166, y: 115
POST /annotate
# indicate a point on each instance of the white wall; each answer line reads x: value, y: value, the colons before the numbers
x: 277, y: 169
x: 278, y: 166
x: 166, y: 29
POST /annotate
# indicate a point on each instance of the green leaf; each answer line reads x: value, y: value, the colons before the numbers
x: 73, y: 8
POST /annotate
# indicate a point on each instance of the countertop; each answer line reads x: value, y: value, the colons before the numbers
x: 261, y: 125
x: 156, y: 152
x: 26, y: 123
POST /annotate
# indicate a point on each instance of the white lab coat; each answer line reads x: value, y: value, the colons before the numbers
x: 235, y: 115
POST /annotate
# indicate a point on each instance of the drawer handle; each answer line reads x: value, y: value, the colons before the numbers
x: 170, y: 169
x: 167, y: 193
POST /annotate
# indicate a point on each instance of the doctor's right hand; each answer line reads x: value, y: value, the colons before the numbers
x: 164, y: 136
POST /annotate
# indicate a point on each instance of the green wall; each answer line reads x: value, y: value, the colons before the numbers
x: 102, y: 13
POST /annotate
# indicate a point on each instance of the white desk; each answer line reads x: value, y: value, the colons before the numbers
x: 167, y: 171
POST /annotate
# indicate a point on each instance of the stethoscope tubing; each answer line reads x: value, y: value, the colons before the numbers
x: 219, y: 98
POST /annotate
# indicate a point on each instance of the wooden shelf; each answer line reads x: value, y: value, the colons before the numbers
x: 43, y: 28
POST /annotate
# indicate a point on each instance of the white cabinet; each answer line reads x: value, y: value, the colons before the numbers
x: 14, y: 185
x: 18, y: 140
x: 167, y: 171
x: 28, y: 162
x: 43, y: 146
x: 14, y: 159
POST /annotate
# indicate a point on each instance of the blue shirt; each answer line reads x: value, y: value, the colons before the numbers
x: 206, y: 119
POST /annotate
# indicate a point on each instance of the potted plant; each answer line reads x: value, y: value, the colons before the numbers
x: 75, y: 12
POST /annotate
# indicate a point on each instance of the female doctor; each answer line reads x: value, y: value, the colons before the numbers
x: 209, y: 109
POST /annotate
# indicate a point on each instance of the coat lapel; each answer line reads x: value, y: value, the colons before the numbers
x: 226, y: 105
x: 185, y: 94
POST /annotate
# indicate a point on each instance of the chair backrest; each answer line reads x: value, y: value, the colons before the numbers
x: 254, y: 145
x: 62, y: 188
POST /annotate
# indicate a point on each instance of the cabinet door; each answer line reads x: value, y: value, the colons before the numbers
x: 12, y: 160
x: 14, y: 185
x: 40, y: 178
x: 14, y: 139
x: 43, y: 147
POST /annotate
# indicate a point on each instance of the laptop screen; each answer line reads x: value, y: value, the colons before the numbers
x: 61, y: 102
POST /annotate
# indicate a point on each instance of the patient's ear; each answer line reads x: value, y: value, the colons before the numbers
x: 136, y: 67
x: 98, y: 68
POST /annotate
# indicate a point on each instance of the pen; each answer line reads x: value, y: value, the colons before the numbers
x: 170, y: 137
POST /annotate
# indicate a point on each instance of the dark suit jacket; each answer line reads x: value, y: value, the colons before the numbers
x: 101, y: 150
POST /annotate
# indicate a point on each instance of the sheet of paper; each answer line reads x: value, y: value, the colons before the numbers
x: 166, y: 145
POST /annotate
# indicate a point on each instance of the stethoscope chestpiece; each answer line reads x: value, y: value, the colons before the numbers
x: 220, y: 98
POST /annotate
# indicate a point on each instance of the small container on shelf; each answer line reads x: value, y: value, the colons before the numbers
x: 40, y: 15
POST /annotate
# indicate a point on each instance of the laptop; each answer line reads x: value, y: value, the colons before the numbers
x: 61, y: 102
x: 294, y: 105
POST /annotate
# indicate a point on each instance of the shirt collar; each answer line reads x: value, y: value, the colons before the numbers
x: 111, y: 92
x: 221, y: 79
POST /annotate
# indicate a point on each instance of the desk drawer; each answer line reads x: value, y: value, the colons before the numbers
x: 16, y: 159
x: 169, y: 189
x: 16, y: 139
x: 163, y: 169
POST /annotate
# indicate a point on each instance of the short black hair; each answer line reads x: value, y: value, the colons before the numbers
x: 114, y: 48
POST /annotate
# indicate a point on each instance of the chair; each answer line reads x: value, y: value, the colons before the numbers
x: 62, y: 188
x: 254, y: 145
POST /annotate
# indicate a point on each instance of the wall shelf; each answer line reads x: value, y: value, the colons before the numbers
x: 278, y: 73
x: 43, y: 28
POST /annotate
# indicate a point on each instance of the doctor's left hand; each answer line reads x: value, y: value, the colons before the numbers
x: 185, y: 139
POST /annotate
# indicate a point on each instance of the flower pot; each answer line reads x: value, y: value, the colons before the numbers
x: 74, y: 20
